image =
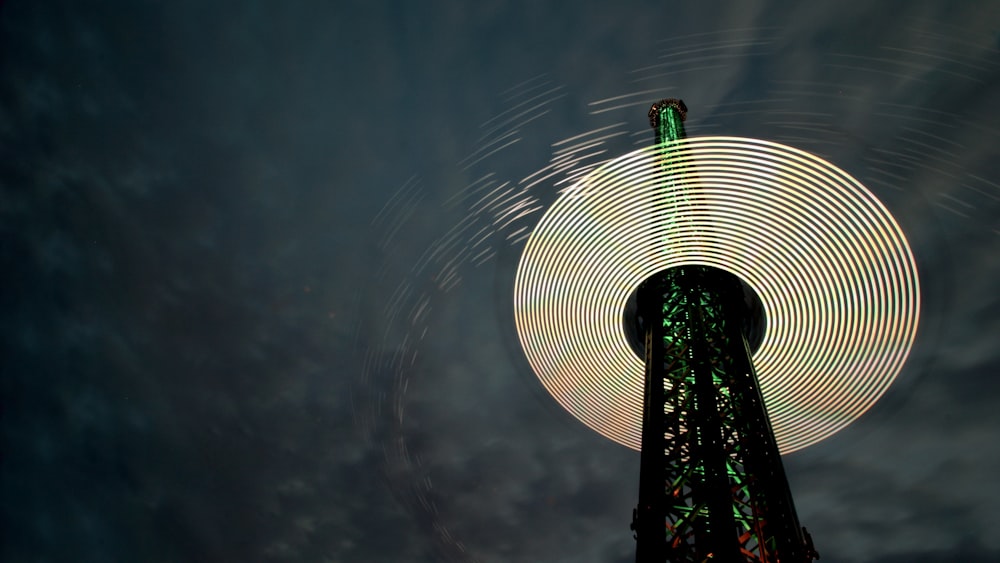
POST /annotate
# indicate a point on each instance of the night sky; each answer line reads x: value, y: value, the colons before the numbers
x: 256, y: 295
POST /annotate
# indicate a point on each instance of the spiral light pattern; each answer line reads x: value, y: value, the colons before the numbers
x: 833, y: 269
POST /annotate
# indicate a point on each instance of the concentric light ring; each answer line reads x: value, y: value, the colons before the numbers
x: 831, y: 266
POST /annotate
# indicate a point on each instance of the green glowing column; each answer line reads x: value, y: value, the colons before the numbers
x: 711, y: 484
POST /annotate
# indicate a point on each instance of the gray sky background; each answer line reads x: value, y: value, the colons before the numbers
x: 254, y: 308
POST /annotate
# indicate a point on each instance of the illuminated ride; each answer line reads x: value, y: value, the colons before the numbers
x: 646, y: 289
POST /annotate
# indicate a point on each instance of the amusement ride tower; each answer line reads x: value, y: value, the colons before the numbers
x: 715, y: 302
x: 711, y: 483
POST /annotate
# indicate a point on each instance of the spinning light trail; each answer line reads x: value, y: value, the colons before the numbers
x: 834, y: 272
x: 927, y: 159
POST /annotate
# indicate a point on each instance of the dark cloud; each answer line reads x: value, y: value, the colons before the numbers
x: 226, y: 339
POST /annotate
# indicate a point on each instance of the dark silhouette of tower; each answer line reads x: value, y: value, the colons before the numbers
x: 711, y: 485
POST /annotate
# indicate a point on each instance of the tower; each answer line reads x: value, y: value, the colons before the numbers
x: 666, y: 369
x: 712, y: 487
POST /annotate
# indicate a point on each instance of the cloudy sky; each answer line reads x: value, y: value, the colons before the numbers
x: 256, y: 308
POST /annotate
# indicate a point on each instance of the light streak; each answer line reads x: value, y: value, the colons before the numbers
x: 833, y: 269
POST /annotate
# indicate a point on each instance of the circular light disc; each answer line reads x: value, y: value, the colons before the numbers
x: 834, y: 272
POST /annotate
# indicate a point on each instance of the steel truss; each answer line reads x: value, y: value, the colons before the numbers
x: 712, y: 487
x: 711, y: 484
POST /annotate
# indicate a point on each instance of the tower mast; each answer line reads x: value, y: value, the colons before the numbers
x: 711, y: 483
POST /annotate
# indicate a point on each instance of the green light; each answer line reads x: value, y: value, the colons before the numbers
x: 669, y: 123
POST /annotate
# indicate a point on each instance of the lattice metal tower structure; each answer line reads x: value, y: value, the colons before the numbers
x: 711, y: 485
